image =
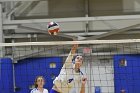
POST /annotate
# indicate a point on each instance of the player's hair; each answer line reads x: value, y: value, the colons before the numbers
x: 73, y: 60
x: 35, y: 83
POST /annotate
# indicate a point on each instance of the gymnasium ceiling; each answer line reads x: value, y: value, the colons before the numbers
x: 26, y: 20
x: 78, y: 19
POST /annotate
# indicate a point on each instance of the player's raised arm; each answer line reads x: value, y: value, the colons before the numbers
x: 70, y: 56
x: 84, y: 79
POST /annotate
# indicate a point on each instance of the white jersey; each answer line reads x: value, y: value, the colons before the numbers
x: 68, y: 78
x: 35, y: 90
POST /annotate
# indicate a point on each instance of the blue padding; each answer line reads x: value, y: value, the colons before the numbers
x: 6, y: 75
x: 26, y: 71
x: 127, y: 77
x: 97, y: 89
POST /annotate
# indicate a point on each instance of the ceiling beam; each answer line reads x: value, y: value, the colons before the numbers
x: 29, y: 8
x: 74, y: 19
x: 112, y: 32
x: 46, y: 32
x: 6, y: 27
x: 13, y: 9
x: 19, y: 0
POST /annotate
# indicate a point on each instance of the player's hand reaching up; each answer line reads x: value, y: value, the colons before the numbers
x: 84, y: 80
x: 75, y: 46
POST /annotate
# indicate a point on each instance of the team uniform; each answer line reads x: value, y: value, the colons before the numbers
x: 35, y: 90
x: 68, y: 78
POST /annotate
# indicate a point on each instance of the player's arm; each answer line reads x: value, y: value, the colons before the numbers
x: 83, y: 85
x: 61, y: 77
x: 70, y: 56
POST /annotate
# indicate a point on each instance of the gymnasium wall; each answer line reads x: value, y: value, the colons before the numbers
x: 28, y: 69
x: 127, y: 73
x: 25, y: 72
x: 6, y: 75
x: 100, y: 75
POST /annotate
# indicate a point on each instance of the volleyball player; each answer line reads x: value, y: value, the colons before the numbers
x: 39, y: 83
x: 70, y: 75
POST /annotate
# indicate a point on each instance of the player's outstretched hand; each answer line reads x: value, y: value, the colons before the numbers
x: 84, y: 80
x: 75, y: 46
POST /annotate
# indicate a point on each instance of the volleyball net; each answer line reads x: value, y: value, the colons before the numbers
x: 111, y: 66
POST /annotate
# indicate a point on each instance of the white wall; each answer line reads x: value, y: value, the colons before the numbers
x: 131, y: 6
x: 99, y: 73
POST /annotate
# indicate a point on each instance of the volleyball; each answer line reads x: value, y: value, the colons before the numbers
x: 53, y: 28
